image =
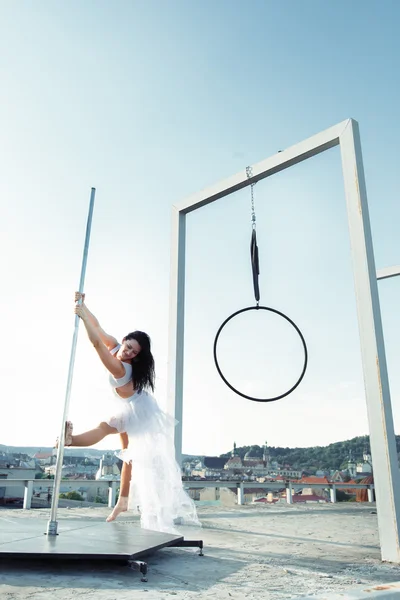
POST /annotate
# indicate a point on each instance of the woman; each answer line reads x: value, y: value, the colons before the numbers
x: 146, y: 431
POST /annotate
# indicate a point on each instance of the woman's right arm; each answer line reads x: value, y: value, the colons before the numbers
x: 112, y: 364
x: 108, y: 340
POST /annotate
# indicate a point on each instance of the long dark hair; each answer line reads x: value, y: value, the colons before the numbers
x: 143, y: 373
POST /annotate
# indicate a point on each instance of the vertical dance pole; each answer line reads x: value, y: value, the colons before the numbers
x: 52, y: 524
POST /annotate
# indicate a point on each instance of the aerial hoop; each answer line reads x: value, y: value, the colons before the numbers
x: 277, y: 312
x: 255, y: 265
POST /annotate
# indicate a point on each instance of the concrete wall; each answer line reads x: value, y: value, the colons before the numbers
x: 224, y: 495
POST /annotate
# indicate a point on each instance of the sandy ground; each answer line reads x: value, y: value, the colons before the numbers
x: 252, y: 552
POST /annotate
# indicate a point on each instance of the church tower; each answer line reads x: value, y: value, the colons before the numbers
x: 351, y: 466
x: 266, y: 456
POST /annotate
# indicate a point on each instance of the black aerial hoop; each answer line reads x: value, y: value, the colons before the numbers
x: 280, y: 314
x: 256, y: 272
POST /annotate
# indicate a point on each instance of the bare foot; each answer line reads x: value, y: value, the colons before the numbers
x: 68, y: 434
x: 121, y: 506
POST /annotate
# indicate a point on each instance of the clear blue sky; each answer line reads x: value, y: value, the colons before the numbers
x: 150, y: 101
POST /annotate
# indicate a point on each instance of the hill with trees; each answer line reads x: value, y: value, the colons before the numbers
x: 333, y: 456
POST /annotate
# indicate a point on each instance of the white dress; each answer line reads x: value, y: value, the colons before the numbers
x: 156, y: 485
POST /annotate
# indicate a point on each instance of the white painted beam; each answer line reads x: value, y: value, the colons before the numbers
x: 388, y: 272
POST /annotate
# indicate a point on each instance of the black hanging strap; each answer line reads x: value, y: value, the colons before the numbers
x: 255, y: 265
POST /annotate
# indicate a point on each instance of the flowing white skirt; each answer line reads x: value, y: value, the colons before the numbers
x: 156, y: 485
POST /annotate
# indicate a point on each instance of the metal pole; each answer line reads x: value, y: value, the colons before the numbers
x: 52, y: 524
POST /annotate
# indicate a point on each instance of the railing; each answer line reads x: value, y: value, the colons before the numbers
x: 113, y: 486
x: 290, y: 487
x: 29, y: 485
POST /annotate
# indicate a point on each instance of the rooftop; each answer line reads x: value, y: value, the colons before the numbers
x: 271, y: 552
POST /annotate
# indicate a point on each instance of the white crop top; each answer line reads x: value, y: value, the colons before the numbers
x: 117, y: 383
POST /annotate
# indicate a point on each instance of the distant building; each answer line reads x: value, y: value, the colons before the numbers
x: 15, y: 491
x: 254, y: 467
x: 365, y: 467
x: 214, y: 466
x: 339, y: 476
x: 108, y: 468
x: 45, y: 458
x: 322, y: 491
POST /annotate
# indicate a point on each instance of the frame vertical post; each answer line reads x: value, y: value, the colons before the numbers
x: 177, y: 325
x: 382, y: 437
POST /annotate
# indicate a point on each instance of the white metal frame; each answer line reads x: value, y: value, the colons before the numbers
x: 388, y: 272
x: 382, y: 437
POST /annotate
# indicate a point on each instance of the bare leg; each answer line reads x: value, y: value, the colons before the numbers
x: 126, y: 474
x: 89, y: 438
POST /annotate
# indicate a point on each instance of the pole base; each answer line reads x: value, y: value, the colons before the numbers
x: 52, y: 527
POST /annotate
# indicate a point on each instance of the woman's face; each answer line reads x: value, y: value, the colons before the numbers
x: 129, y: 350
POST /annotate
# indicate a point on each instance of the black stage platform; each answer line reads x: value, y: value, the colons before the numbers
x: 25, y: 538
